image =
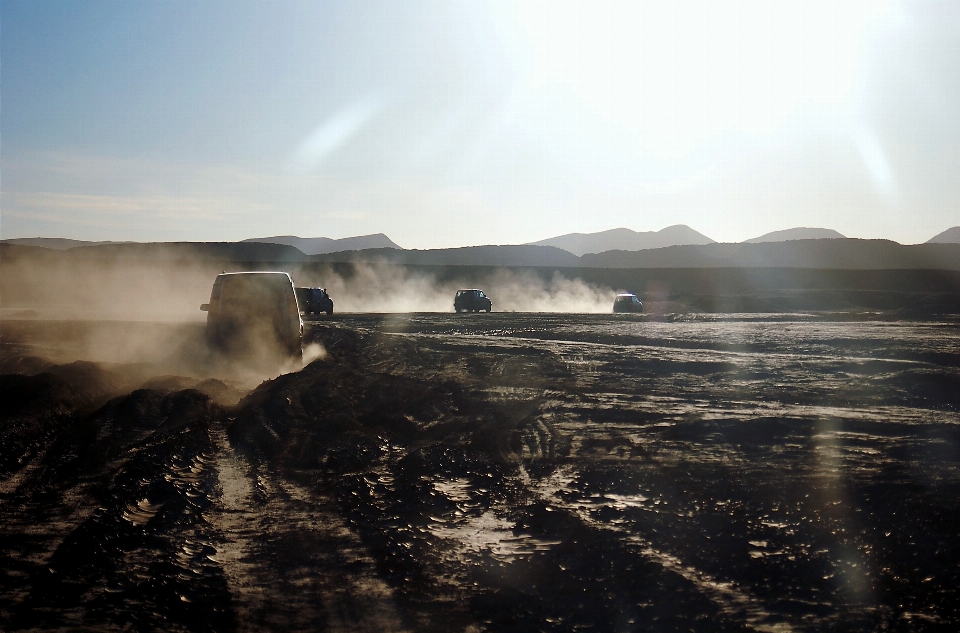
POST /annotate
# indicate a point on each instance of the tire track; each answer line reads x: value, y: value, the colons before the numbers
x: 290, y: 561
x: 139, y: 557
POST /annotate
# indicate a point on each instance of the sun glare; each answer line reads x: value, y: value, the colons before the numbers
x: 679, y: 73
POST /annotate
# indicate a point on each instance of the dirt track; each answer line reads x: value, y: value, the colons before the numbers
x: 492, y: 472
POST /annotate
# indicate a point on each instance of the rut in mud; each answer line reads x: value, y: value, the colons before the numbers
x: 499, y: 472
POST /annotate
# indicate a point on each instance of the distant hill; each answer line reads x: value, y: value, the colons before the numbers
x: 199, y: 251
x: 950, y: 236
x: 306, y: 245
x: 800, y: 233
x: 522, y: 255
x: 852, y: 254
x: 57, y: 243
x: 840, y: 254
x: 625, y: 240
x: 320, y: 245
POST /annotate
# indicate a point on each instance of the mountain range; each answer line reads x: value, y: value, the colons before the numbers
x: 56, y: 243
x: 579, y: 244
x: 840, y: 254
x: 618, y: 248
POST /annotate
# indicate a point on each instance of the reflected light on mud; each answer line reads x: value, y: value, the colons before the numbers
x: 852, y: 570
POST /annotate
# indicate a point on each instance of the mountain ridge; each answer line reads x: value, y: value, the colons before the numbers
x: 797, y: 233
x: 321, y: 245
x: 831, y: 253
x: 489, y: 255
x: 57, y: 243
x: 846, y: 253
x: 950, y: 236
x: 164, y: 251
x: 624, y: 239
x: 579, y: 244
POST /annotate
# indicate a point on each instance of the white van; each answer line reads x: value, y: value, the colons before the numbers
x: 255, y: 316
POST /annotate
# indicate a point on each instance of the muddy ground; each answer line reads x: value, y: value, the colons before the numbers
x: 502, y: 472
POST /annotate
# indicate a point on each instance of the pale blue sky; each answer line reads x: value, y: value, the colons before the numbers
x: 460, y: 123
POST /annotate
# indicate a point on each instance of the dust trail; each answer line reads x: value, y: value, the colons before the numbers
x: 388, y: 288
x: 170, y: 290
x: 312, y: 352
x: 61, y: 287
x: 146, y: 311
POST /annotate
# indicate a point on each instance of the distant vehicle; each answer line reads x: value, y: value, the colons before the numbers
x: 626, y: 302
x: 254, y: 316
x: 314, y: 300
x: 472, y: 300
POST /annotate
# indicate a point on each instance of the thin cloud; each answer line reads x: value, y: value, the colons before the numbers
x: 159, y: 206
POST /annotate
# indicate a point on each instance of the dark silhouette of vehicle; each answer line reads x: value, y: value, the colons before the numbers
x: 472, y: 300
x: 626, y: 302
x: 254, y: 317
x: 314, y: 301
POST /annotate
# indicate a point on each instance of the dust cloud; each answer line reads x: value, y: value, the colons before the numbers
x: 312, y: 352
x: 146, y: 312
x: 172, y: 291
x: 385, y: 288
x: 122, y: 290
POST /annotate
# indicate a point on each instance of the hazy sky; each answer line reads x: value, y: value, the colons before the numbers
x: 461, y: 123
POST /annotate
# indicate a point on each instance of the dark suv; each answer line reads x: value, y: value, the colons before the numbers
x: 627, y: 302
x: 471, y: 301
x: 314, y: 301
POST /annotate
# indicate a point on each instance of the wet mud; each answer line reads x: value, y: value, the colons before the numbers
x: 501, y: 472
